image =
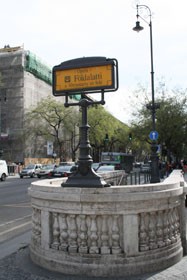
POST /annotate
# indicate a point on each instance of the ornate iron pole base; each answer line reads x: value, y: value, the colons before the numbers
x: 85, y: 177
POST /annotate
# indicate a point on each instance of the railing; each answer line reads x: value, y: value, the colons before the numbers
x: 138, y: 178
x: 115, y: 178
x: 12, y: 169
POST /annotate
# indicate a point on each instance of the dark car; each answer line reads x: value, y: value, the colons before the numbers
x: 46, y: 171
x: 63, y: 171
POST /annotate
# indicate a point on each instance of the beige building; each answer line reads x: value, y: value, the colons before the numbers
x: 24, y: 81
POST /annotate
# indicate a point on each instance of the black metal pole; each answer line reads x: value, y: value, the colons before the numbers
x: 85, y: 159
x: 154, y: 157
x: 155, y: 178
x: 152, y: 79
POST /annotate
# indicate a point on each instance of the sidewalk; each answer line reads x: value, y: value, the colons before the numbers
x: 12, y: 176
x: 18, y: 266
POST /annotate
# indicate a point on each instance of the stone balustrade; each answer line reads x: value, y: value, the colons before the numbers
x: 114, y: 231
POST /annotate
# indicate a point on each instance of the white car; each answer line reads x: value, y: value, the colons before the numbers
x: 3, y: 170
x: 46, y: 171
x: 105, y: 168
x: 30, y: 170
x: 145, y: 168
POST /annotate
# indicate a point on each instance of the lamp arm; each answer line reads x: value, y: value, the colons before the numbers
x: 150, y: 14
x: 138, y: 16
x: 144, y: 6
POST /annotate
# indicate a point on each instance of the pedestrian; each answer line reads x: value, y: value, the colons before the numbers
x: 184, y: 168
x: 168, y: 168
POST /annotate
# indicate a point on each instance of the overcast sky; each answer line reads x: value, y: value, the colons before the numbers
x: 60, y: 30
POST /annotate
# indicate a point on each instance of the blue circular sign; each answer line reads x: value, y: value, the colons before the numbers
x: 153, y: 135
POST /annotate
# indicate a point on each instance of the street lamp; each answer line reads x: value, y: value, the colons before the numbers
x: 154, y: 157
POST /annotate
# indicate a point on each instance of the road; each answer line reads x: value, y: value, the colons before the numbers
x: 14, y: 199
x: 15, y: 214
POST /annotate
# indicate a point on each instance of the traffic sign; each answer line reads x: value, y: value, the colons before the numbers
x: 153, y: 135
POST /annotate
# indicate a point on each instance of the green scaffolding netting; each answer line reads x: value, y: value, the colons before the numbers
x: 34, y: 65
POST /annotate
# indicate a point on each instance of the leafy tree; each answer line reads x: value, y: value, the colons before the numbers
x: 172, y: 126
x: 171, y: 122
x: 106, y: 132
x: 50, y: 120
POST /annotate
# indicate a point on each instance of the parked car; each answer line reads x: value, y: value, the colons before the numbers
x: 63, y: 170
x: 3, y: 170
x: 46, y: 171
x: 67, y: 163
x: 137, y: 164
x: 30, y: 170
x: 106, y: 168
x: 145, y: 168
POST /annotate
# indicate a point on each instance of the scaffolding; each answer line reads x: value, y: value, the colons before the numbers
x: 34, y: 65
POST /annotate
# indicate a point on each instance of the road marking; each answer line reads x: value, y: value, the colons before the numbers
x: 20, y: 204
x: 15, y: 205
x: 15, y: 227
x: 16, y: 220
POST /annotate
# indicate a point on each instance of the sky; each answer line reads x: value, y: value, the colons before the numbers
x: 60, y: 30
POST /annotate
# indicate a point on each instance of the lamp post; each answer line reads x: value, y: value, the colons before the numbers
x: 154, y: 157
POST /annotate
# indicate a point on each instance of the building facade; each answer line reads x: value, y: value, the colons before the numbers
x: 24, y: 81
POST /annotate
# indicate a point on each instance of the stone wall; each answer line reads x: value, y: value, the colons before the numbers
x: 116, y: 231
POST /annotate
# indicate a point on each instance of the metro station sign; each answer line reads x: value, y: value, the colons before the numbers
x: 87, y: 74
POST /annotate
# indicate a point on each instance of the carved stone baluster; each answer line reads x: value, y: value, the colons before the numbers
x: 39, y: 227
x: 151, y: 232
x: 93, y: 236
x: 172, y: 226
x: 63, y: 232
x: 34, y: 226
x: 143, y: 244
x: 55, y: 232
x: 36, y: 231
x: 115, y: 236
x: 72, y: 227
x: 167, y: 241
x: 176, y: 224
x: 159, y: 229
x: 83, y: 248
x: 105, y: 249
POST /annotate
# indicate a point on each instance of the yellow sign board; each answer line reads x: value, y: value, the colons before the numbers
x: 84, y: 78
x: 85, y: 75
